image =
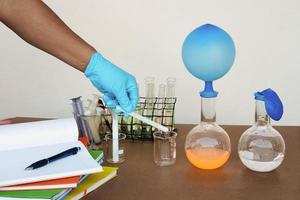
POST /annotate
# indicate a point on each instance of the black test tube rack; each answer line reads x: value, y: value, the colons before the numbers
x: 160, y: 110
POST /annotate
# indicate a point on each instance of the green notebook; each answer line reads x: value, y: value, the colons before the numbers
x: 46, y: 194
x: 41, y: 194
x: 96, y: 154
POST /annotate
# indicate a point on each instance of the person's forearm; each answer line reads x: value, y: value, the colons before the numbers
x: 37, y: 24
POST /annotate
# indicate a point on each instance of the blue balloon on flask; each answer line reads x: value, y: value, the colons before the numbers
x: 208, y: 52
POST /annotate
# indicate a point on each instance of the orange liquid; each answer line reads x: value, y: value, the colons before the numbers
x: 207, y: 158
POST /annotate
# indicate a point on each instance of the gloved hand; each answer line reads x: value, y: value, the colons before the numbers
x: 118, y: 86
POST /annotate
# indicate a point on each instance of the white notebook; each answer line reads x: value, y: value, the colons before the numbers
x: 26, y: 143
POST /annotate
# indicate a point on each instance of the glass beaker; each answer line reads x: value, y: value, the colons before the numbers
x: 164, y: 150
x: 261, y: 148
x: 93, y: 124
x: 109, y: 148
x: 207, y: 145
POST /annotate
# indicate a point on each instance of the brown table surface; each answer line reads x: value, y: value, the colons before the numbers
x: 139, y: 178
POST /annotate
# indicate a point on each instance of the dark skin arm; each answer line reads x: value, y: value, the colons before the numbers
x: 38, y: 25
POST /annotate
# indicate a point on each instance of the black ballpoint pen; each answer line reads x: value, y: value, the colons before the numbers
x: 46, y: 161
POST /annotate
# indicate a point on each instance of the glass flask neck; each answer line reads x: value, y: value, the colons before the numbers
x: 208, y: 109
x: 261, y: 116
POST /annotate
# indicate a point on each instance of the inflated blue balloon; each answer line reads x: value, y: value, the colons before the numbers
x: 208, y: 52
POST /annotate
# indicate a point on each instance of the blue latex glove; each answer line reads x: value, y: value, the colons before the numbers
x: 118, y: 86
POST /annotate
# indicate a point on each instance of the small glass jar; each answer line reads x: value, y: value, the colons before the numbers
x: 93, y: 123
x: 164, y: 151
x: 89, y: 128
x: 109, y: 151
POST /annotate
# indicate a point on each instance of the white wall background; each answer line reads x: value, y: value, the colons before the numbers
x: 145, y: 38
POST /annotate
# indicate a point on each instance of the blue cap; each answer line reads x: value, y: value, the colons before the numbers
x: 208, y: 91
x: 273, y: 104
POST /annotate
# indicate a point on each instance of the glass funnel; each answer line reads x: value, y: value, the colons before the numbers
x: 207, y: 145
x: 261, y: 148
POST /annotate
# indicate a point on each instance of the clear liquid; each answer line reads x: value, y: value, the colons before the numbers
x: 260, y: 165
x: 164, y: 148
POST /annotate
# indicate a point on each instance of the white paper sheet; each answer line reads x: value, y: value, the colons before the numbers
x: 14, y: 162
x: 39, y: 133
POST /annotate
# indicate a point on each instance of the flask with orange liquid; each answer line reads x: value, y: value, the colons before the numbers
x: 207, y: 145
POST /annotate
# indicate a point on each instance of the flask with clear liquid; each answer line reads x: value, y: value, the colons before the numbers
x: 261, y: 148
x: 207, y: 145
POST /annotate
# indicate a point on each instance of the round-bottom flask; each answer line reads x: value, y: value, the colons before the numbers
x: 261, y: 148
x: 207, y: 145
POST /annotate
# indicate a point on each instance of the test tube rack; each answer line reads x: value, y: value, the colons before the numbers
x: 160, y: 110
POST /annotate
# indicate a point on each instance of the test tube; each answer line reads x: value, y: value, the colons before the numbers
x: 162, y: 91
x: 168, y: 115
x: 171, y: 82
x: 134, y: 125
x: 159, y: 105
x: 149, y: 89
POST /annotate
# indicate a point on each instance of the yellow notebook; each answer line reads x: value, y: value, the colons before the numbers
x: 92, y: 182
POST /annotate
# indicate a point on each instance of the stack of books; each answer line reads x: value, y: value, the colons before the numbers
x: 70, y: 177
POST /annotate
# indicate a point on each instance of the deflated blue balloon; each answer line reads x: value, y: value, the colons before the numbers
x: 208, y: 52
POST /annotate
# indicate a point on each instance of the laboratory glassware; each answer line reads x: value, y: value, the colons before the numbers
x: 164, y: 149
x: 109, y: 148
x: 162, y: 91
x: 149, y: 86
x: 170, y: 94
x: 207, y: 145
x: 136, y: 123
x: 149, y: 89
x: 160, y: 104
x: 171, y: 83
x: 93, y: 124
x: 208, y: 53
x: 79, y: 111
x: 261, y: 148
